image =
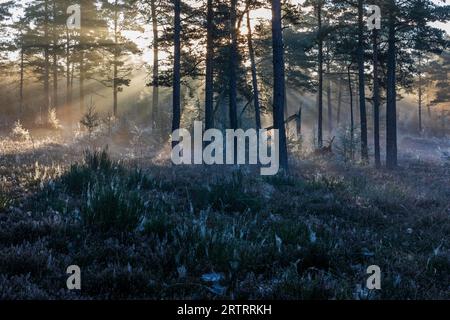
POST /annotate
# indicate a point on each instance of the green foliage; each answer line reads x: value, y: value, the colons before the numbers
x: 109, y: 207
x: 229, y: 195
x: 348, y: 144
x: 96, y: 165
x: 142, y: 234
x: 98, y: 161
x: 5, y: 201
x: 90, y: 120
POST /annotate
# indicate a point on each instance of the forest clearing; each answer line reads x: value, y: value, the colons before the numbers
x: 329, y: 221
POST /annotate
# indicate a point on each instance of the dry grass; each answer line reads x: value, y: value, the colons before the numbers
x: 309, y: 235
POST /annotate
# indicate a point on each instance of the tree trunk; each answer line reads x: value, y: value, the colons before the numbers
x: 81, y: 62
x: 116, y: 61
x: 420, y: 94
x: 82, y: 82
x: 209, y: 81
x: 279, y: 81
x: 68, y: 76
x: 299, y: 121
x: 376, y: 101
x: 155, y: 80
x: 352, y: 120
x: 55, y: 60
x: 176, y: 69
x: 320, y: 72
x: 391, y: 107
x: 362, y: 95
x: 339, y: 105
x: 21, y: 79
x: 55, y: 82
x: 233, y: 66
x: 329, y: 106
x: 46, y: 62
x: 251, y: 51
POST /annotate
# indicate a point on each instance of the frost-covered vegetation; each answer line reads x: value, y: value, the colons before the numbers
x: 162, y: 232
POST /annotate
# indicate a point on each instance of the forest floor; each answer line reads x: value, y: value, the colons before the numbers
x: 145, y: 229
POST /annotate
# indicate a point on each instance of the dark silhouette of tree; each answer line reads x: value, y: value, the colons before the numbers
x: 176, y: 117
x: 279, y: 82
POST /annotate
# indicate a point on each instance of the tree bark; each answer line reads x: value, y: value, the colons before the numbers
x: 233, y: 66
x: 376, y: 100
x: 320, y: 72
x: 21, y: 78
x: 116, y: 61
x: 46, y: 61
x: 362, y: 95
x: 339, y: 105
x: 82, y: 76
x: 155, y: 75
x: 391, y: 107
x: 279, y: 81
x: 299, y: 121
x: 68, y: 76
x: 209, y: 81
x: 55, y: 59
x: 82, y: 70
x: 176, y: 118
x: 420, y: 94
x: 329, y: 105
x: 352, y: 120
x: 254, y: 75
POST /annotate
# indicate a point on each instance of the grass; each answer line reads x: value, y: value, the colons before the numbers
x: 155, y: 232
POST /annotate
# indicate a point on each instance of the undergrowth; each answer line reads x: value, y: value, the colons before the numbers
x: 183, y: 233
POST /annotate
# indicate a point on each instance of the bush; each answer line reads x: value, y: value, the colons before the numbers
x: 98, y: 160
x: 349, y: 140
x: 19, y: 133
x: 97, y: 165
x: 109, y: 207
x: 229, y: 196
x: 90, y: 120
x: 53, y: 120
x: 5, y: 201
x: 77, y: 179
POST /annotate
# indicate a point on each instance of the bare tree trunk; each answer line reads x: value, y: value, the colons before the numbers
x: 428, y: 100
x: 339, y: 105
x: 254, y: 75
x: 329, y: 106
x: 209, y: 81
x: 116, y: 61
x: 68, y: 76
x: 233, y: 66
x: 82, y: 71
x: 420, y: 94
x: 299, y: 121
x: 279, y: 81
x: 155, y: 80
x: 391, y: 107
x: 352, y: 120
x: 21, y: 79
x: 362, y: 95
x: 55, y: 59
x: 82, y: 81
x: 376, y: 100
x: 177, y: 68
x: 320, y: 72
x: 46, y: 62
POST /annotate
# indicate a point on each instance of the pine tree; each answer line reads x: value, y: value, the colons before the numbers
x: 123, y: 15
